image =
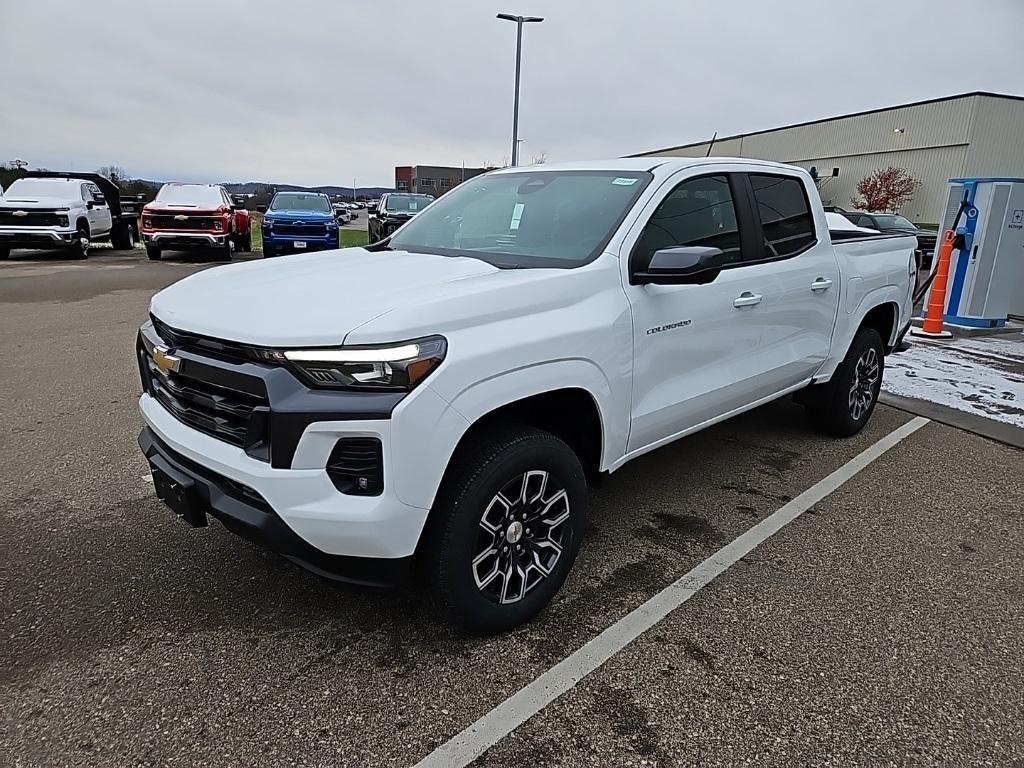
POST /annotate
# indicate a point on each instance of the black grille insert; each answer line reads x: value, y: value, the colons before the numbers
x: 30, y: 218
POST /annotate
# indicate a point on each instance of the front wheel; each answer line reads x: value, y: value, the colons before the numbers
x: 244, y: 244
x: 79, y: 249
x: 224, y: 251
x: 843, y: 405
x: 506, y: 529
x: 153, y: 252
x: 5, y: 252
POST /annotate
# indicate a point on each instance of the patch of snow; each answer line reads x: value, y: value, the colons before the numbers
x: 980, y: 376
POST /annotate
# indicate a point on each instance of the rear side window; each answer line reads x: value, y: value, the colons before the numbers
x: 785, y: 214
x: 698, y: 212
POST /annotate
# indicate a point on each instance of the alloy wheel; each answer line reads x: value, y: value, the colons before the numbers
x: 865, y: 379
x: 523, y: 531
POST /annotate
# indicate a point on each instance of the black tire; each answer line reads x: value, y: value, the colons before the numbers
x: 843, y: 405
x: 122, y: 238
x: 511, y: 458
x: 153, y: 252
x: 224, y: 251
x: 79, y: 248
x: 245, y: 244
x: 5, y: 252
x: 268, y: 252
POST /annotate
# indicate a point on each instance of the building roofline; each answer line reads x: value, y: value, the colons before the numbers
x: 833, y: 117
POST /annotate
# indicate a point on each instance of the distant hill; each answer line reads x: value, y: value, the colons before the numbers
x: 262, y: 189
x: 256, y: 187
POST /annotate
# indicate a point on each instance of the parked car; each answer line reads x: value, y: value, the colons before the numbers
x: 190, y: 216
x: 299, y: 221
x: 342, y: 213
x: 393, y: 210
x: 48, y: 209
x: 894, y: 224
x: 445, y: 395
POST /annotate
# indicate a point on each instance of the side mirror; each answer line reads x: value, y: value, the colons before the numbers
x: 682, y: 265
x: 261, y: 209
x: 97, y: 201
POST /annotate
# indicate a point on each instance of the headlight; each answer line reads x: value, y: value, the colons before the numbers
x: 62, y: 221
x: 268, y: 224
x: 394, y: 366
x: 147, y: 222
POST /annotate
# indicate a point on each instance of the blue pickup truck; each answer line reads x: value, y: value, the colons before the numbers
x: 298, y: 221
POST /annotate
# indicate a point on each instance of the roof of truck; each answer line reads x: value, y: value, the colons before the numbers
x: 641, y: 164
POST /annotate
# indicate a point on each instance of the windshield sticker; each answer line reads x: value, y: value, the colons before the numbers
x: 624, y: 181
x: 517, y: 214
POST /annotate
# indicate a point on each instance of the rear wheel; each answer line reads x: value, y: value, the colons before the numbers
x: 843, y: 405
x: 153, y: 252
x: 245, y: 243
x: 506, y: 529
x: 4, y: 252
x: 123, y: 237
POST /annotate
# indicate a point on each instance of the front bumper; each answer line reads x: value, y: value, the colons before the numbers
x: 286, y: 243
x: 32, y: 237
x: 245, y: 512
x: 184, y: 240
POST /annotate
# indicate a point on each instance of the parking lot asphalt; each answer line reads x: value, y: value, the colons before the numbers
x: 883, y: 626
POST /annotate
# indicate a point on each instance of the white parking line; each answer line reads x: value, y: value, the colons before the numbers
x: 465, y: 747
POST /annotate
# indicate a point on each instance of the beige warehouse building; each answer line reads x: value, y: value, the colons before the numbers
x: 972, y: 134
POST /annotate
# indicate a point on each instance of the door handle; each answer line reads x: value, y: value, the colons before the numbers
x: 747, y: 299
x: 821, y: 284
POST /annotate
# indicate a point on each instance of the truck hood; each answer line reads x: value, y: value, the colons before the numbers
x: 286, y: 214
x: 309, y: 300
x: 29, y: 202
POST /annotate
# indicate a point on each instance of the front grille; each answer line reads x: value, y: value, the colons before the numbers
x: 356, y: 466
x: 926, y: 243
x: 297, y: 230
x: 204, y: 223
x: 223, y: 403
x: 32, y: 218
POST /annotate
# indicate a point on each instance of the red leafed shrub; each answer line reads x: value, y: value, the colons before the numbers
x: 887, y: 189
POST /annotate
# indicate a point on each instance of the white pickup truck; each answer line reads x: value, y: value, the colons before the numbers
x: 442, y: 397
x: 66, y: 211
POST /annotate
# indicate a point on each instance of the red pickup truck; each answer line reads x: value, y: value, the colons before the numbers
x: 188, y: 216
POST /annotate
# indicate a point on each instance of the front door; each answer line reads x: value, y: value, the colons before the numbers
x: 697, y: 348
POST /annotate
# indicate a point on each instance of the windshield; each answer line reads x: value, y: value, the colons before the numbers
x: 190, y: 195
x: 528, y: 219
x: 893, y: 222
x: 42, y: 188
x: 408, y: 202
x: 297, y: 201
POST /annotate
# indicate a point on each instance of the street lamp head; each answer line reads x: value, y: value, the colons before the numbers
x: 518, y: 19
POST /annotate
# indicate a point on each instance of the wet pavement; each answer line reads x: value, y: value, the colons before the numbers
x: 882, y: 626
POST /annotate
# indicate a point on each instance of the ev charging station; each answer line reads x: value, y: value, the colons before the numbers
x: 986, y: 282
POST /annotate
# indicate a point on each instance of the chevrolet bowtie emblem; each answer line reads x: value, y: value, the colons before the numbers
x: 180, y: 217
x: 20, y: 213
x: 165, y: 361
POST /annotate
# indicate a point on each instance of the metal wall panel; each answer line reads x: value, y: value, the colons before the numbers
x: 997, y: 142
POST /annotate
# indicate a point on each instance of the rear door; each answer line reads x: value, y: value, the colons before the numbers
x: 697, y: 348
x: 800, y: 312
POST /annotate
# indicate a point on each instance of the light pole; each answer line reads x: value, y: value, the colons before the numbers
x: 519, y: 20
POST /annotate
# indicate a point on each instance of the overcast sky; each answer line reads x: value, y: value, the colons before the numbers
x: 321, y: 91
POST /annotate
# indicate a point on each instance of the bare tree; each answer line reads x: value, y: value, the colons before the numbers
x: 113, y: 172
x: 539, y: 159
x: 887, y: 189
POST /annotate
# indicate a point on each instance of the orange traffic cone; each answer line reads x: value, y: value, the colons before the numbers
x: 932, y: 325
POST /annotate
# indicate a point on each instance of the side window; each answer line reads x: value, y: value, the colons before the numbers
x: 698, y: 212
x: 785, y: 214
x: 86, y: 193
